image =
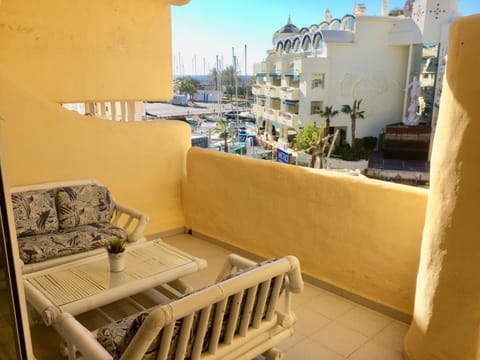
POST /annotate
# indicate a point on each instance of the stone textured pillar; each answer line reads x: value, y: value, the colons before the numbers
x: 446, y: 319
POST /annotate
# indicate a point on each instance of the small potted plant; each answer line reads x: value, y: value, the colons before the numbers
x: 116, y: 248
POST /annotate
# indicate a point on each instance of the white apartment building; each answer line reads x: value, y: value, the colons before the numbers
x: 373, y: 58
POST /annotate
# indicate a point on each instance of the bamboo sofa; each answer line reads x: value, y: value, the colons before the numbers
x: 59, y: 222
x: 238, y: 317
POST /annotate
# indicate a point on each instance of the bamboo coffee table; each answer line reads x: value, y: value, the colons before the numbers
x: 87, y: 284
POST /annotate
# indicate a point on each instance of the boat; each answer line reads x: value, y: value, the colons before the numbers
x: 195, y: 121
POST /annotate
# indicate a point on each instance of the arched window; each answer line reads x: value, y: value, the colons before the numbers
x: 296, y: 44
x: 334, y: 24
x: 317, y: 40
x: 279, y: 47
x: 323, y: 25
x: 303, y: 31
x: 312, y: 28
x: 287, y: 46
x: 348, y: 23
x: 306, y: 43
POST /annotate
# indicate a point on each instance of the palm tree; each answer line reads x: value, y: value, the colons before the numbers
x: 355, y: 113
x: 328, y: 114
x: 223, y: 130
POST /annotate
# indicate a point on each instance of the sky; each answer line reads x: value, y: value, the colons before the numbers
x: 205, y: 29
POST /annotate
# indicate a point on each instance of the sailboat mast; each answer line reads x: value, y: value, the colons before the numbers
x: 245, y: 79
x: 219, y: 89
x: 234, y: 59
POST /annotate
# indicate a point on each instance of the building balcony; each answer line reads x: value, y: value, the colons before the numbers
x: 260, y: 68
x: 289, y: 119
x: 312, y: 311
x: 258, y: 89
x: 258, y: 110
x: 271, y: 114
x: 289, y: 93
x: 272, y: 91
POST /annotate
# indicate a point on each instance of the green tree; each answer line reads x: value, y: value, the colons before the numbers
x: 355, y: 113
x: 328, y: 114
x: 229, y: 75
x: 223, y: 129
x: 312, y: 139
x: 188, y: 85
x: 395, y: 12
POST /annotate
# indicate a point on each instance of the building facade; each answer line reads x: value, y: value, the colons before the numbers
x: 373, y: 58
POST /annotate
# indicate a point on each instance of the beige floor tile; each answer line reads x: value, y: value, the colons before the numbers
x: 364, y: 320
x: 309, y: 322
x: 194, y: 246
x: 372, y: 350
x: 340, y: 339
x: 309, y: 293
x: 392, y: 336
x: 310, y: 350
x: 327, y: 325
x: 291, y: 341
x: 330, y: 305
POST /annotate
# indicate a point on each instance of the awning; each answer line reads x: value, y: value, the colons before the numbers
x: 260, y: 74
x: 292, y: 75
x: 275, y: 74
x: 291, y: 102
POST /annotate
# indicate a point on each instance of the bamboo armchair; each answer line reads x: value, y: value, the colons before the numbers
x: 239, y: 317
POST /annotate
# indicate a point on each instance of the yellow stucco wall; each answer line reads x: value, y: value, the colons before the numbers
x: 446, y: 321
x: 359, y: 234
x: 142, y: 163
x: 79, y: 51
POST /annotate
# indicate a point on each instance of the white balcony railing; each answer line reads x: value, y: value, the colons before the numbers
x: 258, y: 89
x: 272, y: 91
x: 271, y: 114
x: 289, y: 93
x: 258, y: 110
x: 289, y: 119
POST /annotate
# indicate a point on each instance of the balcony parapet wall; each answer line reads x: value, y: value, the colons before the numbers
x: 360, y: 235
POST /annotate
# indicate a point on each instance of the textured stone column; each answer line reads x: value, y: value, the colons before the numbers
x: 446, y: 317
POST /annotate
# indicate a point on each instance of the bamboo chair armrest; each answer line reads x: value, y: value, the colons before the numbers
x: 80, y: 338
x: 132, y: 215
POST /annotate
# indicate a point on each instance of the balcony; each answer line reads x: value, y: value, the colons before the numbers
x: 258, y: 89
x: 258, y: 110
x: 272, y: 91
x: 98, y: 147
x: 356, y: 237
x: 271, y: 114
x: 318, y: 313
x: 289, y: 93
x: 289, y: 119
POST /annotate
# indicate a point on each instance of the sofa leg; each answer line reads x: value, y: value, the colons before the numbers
x: 273, y: 354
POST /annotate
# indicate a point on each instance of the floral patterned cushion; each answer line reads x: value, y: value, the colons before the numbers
x: 83, y: 205
x: 116, y: 336
x: 34, y: 212
x: 36, y: 248
x: 110, y: 335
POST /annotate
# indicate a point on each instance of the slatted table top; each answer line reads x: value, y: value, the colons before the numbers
x: 78, y: 286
